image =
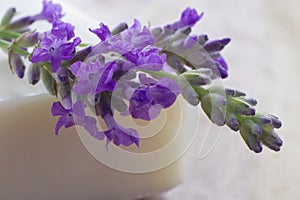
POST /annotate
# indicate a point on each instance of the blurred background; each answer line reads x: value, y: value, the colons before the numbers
x: 263, y: 60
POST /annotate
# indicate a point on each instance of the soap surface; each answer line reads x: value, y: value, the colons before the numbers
x: 37, y: 164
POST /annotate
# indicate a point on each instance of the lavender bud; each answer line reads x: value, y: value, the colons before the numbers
x: 62, y: 75
x: 20, y: 23
x: 262, y: 119
x: 9, y: 14
x: 28, y: 39
x: 275, y: 121
x: 49, y: 82
x: 188, y: 92
x: 118, y: 29
x: 214, y: 106
x: 34, y: 73
x: 232, y: 121
x: 202, y: 39
x: 251, y: 140
x: 273, y: 141
x: 176, y: 63
x: 250, y: 101
x: 242, y: 108
x: 16, y: 64
x: 216, y: 45
x: 234, y: 92
x: 196, y: 79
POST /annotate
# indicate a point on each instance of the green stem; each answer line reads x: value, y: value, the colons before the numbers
x: 5, y: 34
x: 200, y: 91
x: 6, y: 45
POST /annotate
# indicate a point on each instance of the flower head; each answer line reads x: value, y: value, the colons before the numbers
x: 103, y: 32
x: 94, y: 77
x: 189, y: 18
x: 55, y: 47
x: 51, y: 12
x: 147, y: 101
x: 118, y: 134
x: 69, y: 117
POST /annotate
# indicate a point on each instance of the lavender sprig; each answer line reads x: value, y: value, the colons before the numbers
x: 134, y: 70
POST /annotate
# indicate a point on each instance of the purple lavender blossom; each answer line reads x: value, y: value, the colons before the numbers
x: 103, y: 32
x: 189, y: 18
x: 51, y: 12
x: 118, y: 134
x: 222, y: 66
x: 137, y: 35
x: 94, y: 77
x: 147, y: 100
x: 55, y: 47
x: 75, y: 116
x: 62, y: 30
x: 149, y: 58
x: 134, y: 38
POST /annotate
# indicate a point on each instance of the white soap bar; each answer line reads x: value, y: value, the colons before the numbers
x: 37, y: 164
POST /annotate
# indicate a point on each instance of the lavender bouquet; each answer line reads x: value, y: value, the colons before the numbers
x: 135, y: 70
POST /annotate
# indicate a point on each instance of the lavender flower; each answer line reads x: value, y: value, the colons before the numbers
x: 149, y: 58
x: 118, y: 134
x: 103, y: 32
x: 115, y: 132
x: 55, y: 47
x: 147, y: 101
x: 50, y: 12
x: 75, y: 116
x: 134, y: 38
x: 189, y: 18
x: 94, y: 77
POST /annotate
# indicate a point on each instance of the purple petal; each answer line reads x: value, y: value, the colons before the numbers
x: 59, y: 124
x: 78, y: 109
x: 103, y: 32
x: 58, y: 109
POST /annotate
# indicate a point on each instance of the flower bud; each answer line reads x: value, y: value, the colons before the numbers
x: 20, y: 23
x: 196, y: 79
x: 262, y: 119
x: 216, y: 45
x: 251, y: 140
x: 118, y: 29
x: 275, y: 121
x: 232, y: 121
x: 28, y: 39
x: 202, y: 39
x: 34, y: 73
x: 251, y: 101
x: 16, y: 64
x: 9, y: 14
x: 188, y: 92
x: 270, y: 138
x: 234, y: 92
x: 49, y: 82
x: 214, y: 106
x: 176, y: 63
x: 241, y: 107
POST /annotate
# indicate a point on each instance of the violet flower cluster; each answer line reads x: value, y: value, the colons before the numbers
x: 135, y: 70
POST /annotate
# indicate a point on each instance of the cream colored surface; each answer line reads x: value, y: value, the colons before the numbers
x: 263, y: 58
x: 37, y: 164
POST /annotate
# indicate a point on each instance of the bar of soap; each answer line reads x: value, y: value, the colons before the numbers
x: 36, y: 164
